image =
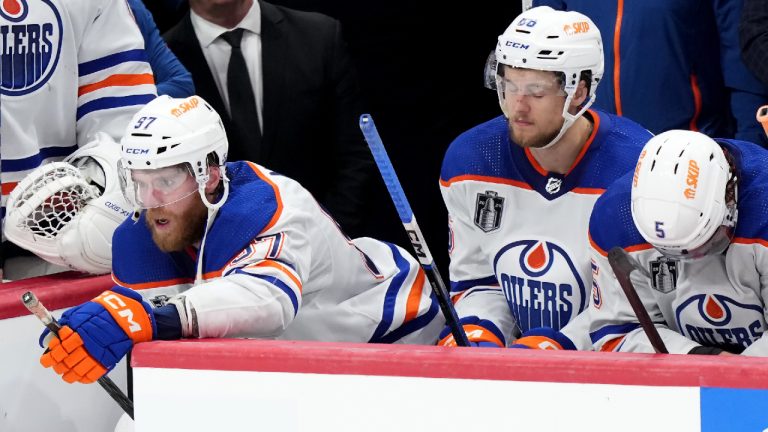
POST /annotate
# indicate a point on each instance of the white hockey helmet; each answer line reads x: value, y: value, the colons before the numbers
x: 172, y: 133
x: 66, y: 212
x: 679, y: 199
x: 542, y: 38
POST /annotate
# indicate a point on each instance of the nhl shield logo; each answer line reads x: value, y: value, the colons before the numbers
x: 664, y: 275
x: 488, y: 210
x: 553, y: 185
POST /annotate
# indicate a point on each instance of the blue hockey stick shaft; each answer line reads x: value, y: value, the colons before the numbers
x: 411, y: 227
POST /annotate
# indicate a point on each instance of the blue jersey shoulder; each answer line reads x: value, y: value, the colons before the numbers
x: 616, y: 147
x: 611, y: 222
x: 751, y: 161
x: 483, y: 150
x: 252, y: 204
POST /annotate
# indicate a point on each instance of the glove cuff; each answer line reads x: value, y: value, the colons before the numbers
x: 187, y: 316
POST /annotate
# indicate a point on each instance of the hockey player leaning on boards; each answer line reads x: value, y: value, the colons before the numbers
x: 520, y: 188
x: 693, y: 214
x: 250, y: 252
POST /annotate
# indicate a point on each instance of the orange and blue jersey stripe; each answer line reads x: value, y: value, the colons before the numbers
x: 112, y: 81
x: 411, y: 321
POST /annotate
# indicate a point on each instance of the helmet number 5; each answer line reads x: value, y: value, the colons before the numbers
x: 660, y: 229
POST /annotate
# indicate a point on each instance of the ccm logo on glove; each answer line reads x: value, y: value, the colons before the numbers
x: 128, y: 313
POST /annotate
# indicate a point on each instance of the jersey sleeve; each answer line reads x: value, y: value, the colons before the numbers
x: 259, y: 292
x: 114, y: 78
x: 475, y: 292
x: 760, y: 346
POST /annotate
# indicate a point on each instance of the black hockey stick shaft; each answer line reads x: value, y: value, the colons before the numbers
x: 623, y: 265
x: 412, y: 228
x: 37, y: 309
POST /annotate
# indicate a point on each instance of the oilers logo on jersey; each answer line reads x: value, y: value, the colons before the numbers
x: 724, y: 323
x: 30, y: 38
x: 541, y: 283
x: 664, y: 274
x: 488, y: 210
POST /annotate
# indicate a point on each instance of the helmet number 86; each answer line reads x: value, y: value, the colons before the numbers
x: 144, y: 122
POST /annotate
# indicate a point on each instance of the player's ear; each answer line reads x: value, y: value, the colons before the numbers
x: 214, y: 178
x: 580, y: 95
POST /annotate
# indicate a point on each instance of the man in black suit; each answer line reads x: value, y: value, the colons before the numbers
x: 303, y: 85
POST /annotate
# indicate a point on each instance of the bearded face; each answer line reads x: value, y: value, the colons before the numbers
x: 177, y: 225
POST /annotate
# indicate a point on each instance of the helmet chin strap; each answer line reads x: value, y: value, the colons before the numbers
x: 570, y: 119
x: 213, y: 208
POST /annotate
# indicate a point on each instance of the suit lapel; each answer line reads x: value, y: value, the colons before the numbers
x: 273, y: 48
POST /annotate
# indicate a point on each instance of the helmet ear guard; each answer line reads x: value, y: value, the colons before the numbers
x: 684, y: 195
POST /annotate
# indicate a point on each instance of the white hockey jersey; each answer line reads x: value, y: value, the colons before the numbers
x: 276, y: 265
x: 518, y: 235
x: 68, y: 68
x: 717, y: 301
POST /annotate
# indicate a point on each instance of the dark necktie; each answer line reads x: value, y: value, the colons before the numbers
x: 242, y: 104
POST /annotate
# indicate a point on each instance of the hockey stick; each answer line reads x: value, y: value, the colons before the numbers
x: 623, y: 265
x: 37, y: 309
x: 411, y: 227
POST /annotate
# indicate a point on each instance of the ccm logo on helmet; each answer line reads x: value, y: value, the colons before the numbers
x: 137, y: 151
x: 185, y: 106
x: 692, y: 180
x: 517, y: 45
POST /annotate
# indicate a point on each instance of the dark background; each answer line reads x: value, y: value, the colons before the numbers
x: 420, y: 65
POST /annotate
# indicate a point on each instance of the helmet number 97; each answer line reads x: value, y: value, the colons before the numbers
x: 144, y: 122
x: 660, y: 229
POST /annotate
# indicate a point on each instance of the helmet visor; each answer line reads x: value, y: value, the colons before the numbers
x: 536, y: 87
x: 715, y: 245
x: 153, y: 188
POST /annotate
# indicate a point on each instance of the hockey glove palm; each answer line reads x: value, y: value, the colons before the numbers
x: 97, y: 334
x: 544, y: 338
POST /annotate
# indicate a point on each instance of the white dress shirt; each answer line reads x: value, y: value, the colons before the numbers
x: 217, y: 52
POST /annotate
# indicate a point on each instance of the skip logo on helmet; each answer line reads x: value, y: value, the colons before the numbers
x: 185, y: 106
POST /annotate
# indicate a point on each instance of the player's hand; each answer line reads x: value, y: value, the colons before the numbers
x: 97, y: 334
x: 544, y: 338
x: 478, y: 333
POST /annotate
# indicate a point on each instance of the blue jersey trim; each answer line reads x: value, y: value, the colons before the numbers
x: 113, y: 102
x: 390, y: 298
x: 89, y: 67
x: 34, y: 161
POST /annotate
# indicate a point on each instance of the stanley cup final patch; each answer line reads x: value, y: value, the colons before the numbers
x: 488, y: 210
x: 664, y: 275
